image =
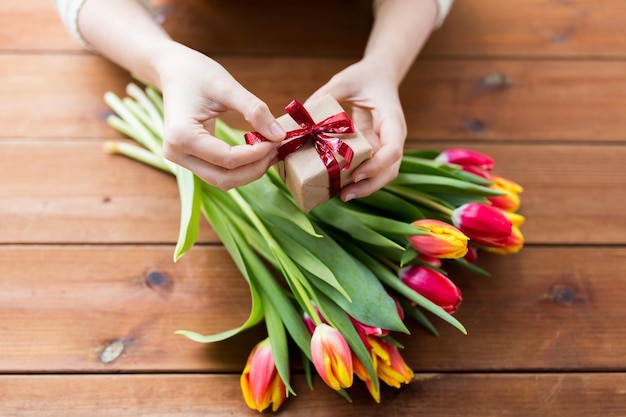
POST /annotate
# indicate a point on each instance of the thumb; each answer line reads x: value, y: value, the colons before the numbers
x: 257, y: 113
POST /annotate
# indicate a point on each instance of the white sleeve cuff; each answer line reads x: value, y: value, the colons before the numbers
x: 68, y: 11
x: 443, y: 10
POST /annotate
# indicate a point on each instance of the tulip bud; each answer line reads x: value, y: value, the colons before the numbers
x: 443, y: 241
x: 509, y: 201
x: 260, y: 383
x: 470, y: 161
x: 483, y: 224
x: 433, y: 285
x: 332, y: 357
x: 514, y: 243
x: 390, y: 366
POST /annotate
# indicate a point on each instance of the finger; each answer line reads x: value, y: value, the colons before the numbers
x: 256, y: 112
x: 392, y: 138
x: 226, y: 179
x: 199, y: 143
x: 368, y: 186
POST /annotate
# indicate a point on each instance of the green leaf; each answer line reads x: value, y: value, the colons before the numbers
x: 393, y: 205
x: 379, y: 223
x: 419, y: 317
x: 229, y: 238
x: 308, y: 260
x: 270, y: 201
x: 370, y: 302
x: 409, y: 255
x: 190, y: 201
x: 340, y: 219
x: 472, y: 267
x: 422, y: 153
x: 435, y: 183
x: 389, y: 279
x: 338, y: 318
x: 278, y: 341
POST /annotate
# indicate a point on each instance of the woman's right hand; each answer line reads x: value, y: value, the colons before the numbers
x: 196, y: 90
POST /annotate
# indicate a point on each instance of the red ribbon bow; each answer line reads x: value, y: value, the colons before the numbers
x: 317, y: 133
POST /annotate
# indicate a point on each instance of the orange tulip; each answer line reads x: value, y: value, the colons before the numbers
x: 443, y: 241
x: 332, y: 357
x: 260, y: 383
x: 509, y: 201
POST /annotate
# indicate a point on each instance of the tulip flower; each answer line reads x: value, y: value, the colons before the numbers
x: 516, y: 219
x: 511, y: 200
x: 363, y: 375
x: 483, y: 223
x: 443, y: 241
x: 514, y: 243
x: 332, y: 357
x: 470, y: 161
x: 390, y: 366
x: 433, y: 285
x: 260, y: 383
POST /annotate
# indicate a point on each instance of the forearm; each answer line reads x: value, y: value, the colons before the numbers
x: 401, y: 27
x: 125, y: 32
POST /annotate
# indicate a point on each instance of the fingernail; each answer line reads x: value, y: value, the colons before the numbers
x: 349, y: 197
x: 277, y: 130
x: 360, y: 177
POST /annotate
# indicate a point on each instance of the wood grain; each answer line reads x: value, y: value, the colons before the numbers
x: 435, y: 395
x: 61, y: 306
x: 118, y: 200
x: 496, y: 100
x: 527, y: 28
x: 90, y: 296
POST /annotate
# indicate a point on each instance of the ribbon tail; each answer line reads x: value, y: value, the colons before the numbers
x: 332, y: 167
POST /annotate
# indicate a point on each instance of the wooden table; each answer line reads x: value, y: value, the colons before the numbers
x: 90, y: 297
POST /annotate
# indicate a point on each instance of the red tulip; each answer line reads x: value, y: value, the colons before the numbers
x: 483, y: 223
x: 514, y: 243
x: 433, y: 285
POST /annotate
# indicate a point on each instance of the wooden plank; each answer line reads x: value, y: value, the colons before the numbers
x: 118, y: 200
x: 538, y: 28
x: 532, y: 28
x: 435, y: 395
x: 33, y: 25
x: 62, y: 306
x: 443, y: 100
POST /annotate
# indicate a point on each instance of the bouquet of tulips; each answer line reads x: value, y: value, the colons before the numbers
x: 338, y: 280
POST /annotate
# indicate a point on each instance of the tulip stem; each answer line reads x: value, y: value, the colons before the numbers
x: 303, y: 297
x: 419, y: 199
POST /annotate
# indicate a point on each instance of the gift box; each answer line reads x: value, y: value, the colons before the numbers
x: 309, y: 175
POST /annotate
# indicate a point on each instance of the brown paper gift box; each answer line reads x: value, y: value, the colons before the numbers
x: 304, y: 172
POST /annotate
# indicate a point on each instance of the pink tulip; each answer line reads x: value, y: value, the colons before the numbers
x: 260, y: 383
x: 332, y: 357
x: 470, y: 161
x: 443, y: 241
x: 433, y: 285
x: 484, y: 224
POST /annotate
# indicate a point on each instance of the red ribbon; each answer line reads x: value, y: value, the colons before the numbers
x: 318, y: 134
